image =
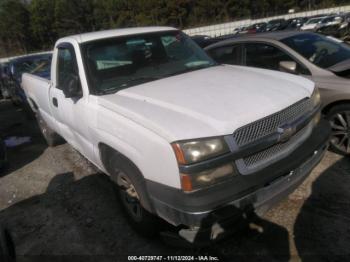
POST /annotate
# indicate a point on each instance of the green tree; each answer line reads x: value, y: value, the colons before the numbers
x: 73, y: 16
x: 42, y: 22
x: 14, y: 29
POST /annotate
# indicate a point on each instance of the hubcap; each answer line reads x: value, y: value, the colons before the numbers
x: 43, y: 128
x: 129, y: 196
x: 340, y: 139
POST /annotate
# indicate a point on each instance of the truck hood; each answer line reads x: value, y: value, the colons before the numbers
x: 207, y: 102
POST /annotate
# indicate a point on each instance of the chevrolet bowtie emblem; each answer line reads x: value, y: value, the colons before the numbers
x: 286, y: 132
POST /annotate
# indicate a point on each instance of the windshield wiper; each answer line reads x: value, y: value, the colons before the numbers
x: 128, y: 83
x: 190, y: 69
x: 139, y: 80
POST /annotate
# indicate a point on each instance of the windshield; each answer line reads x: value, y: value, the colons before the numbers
x: 320, y: 50
x: 118, y: 63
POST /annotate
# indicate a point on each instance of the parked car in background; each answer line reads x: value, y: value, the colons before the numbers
x: 330, y: 21
x: 311, y: 24
x: 276, y: 25
x: 296, y: 23
x: 204, y: 40
x: 184, y: 138
x: 324, y: 60
x: 4, y: 78
x: 341, y: 29
x: 256, y: 28
x: 239, y: 30
x: 40, y: 64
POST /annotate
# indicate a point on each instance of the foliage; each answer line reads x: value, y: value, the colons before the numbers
x: 27, y: 25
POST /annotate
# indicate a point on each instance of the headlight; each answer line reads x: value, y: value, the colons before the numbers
x: 189, y: 152
x: 207, y: 178
x: 316, y: 97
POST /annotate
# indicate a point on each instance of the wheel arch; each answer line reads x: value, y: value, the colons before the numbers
x: 106, y: 152
x: 328, y: 107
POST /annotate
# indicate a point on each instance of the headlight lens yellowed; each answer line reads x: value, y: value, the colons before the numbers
x: 189, y: 152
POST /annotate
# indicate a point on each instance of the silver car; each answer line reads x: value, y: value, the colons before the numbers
x: 324, y: 60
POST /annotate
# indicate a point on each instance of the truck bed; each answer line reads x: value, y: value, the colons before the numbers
x: 37, y: 88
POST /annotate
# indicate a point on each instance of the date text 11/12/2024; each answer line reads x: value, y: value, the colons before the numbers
x: 173, y: 258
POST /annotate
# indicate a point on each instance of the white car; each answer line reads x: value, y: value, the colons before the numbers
x: 185, y: 139
x: 312, y: 24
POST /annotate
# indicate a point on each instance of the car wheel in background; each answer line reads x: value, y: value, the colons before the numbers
x: 339, y: 117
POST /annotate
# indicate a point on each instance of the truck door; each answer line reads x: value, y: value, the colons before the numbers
x: 71, y: 112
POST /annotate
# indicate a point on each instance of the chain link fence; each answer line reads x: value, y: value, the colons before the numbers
x: 227, y: 28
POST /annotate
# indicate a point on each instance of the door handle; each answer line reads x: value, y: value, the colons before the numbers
x: 55, y: 102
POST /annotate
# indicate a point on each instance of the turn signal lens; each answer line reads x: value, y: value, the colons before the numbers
x: 179, y: 154
x: 192, y: 182
x: 186, y: 183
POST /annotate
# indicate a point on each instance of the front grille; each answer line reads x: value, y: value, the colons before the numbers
x: 270, y: 153
x: 270, y: 124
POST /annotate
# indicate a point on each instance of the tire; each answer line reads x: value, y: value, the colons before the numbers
x: 339, y: 118
x: 51, y: 137
x: 7, y: 248
x: 131, y: 191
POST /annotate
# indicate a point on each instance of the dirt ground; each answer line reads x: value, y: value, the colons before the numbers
x: 57, y: 206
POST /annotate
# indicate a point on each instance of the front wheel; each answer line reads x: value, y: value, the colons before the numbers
x: 339, y: 117
x: 132, y: 193
x: 141, y: 220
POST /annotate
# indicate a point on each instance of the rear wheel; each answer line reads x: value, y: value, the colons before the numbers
x: 50, y: 136
x: 339, y: 117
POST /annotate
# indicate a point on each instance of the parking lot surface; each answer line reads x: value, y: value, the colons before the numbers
x: 55, y: 203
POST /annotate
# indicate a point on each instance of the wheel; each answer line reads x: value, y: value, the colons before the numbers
x: 339, y: 117
x: 50, y: 136
x: 131, y: 193
x: 7, y: 249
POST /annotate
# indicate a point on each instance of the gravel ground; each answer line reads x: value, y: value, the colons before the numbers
x: 55, y: 203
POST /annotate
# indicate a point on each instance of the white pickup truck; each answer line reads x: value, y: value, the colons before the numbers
x: 185, y: 139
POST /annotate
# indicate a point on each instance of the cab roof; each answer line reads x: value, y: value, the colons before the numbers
x: 87, y: 37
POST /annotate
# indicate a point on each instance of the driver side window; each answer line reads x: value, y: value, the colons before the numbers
x: 269, y: 57
x: 66, y: 66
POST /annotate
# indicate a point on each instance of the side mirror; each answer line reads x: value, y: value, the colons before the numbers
x: 288, y: 67
x: 72, y: 87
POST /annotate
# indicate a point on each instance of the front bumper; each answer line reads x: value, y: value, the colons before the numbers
x: 246, y: 193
